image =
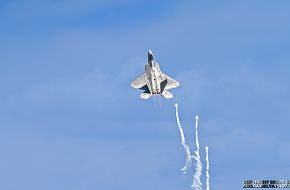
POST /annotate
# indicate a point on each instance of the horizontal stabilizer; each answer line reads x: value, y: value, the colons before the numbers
x: 145, y: 95
x: 166, y: 94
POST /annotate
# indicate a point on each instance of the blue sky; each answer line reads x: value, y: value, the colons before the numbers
x: 69, y: 119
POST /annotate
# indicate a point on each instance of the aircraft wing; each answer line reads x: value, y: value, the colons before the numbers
x: 140, y: 81
x: 171, y: 83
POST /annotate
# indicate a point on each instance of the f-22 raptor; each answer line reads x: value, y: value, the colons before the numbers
x: 153, y: 81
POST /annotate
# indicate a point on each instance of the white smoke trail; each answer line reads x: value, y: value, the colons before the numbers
x: 155, y: 102
x: 185, y: 146
x: 207, y: 168
x: 159, y: 101
x: 196, y: 184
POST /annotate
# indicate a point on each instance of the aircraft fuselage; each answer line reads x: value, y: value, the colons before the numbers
x: 153, y: 81
x: 154, y: 75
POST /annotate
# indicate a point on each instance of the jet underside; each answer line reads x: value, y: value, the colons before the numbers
x: 153, y: 81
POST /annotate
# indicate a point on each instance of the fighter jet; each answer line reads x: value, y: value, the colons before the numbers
x: 153, y: 81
